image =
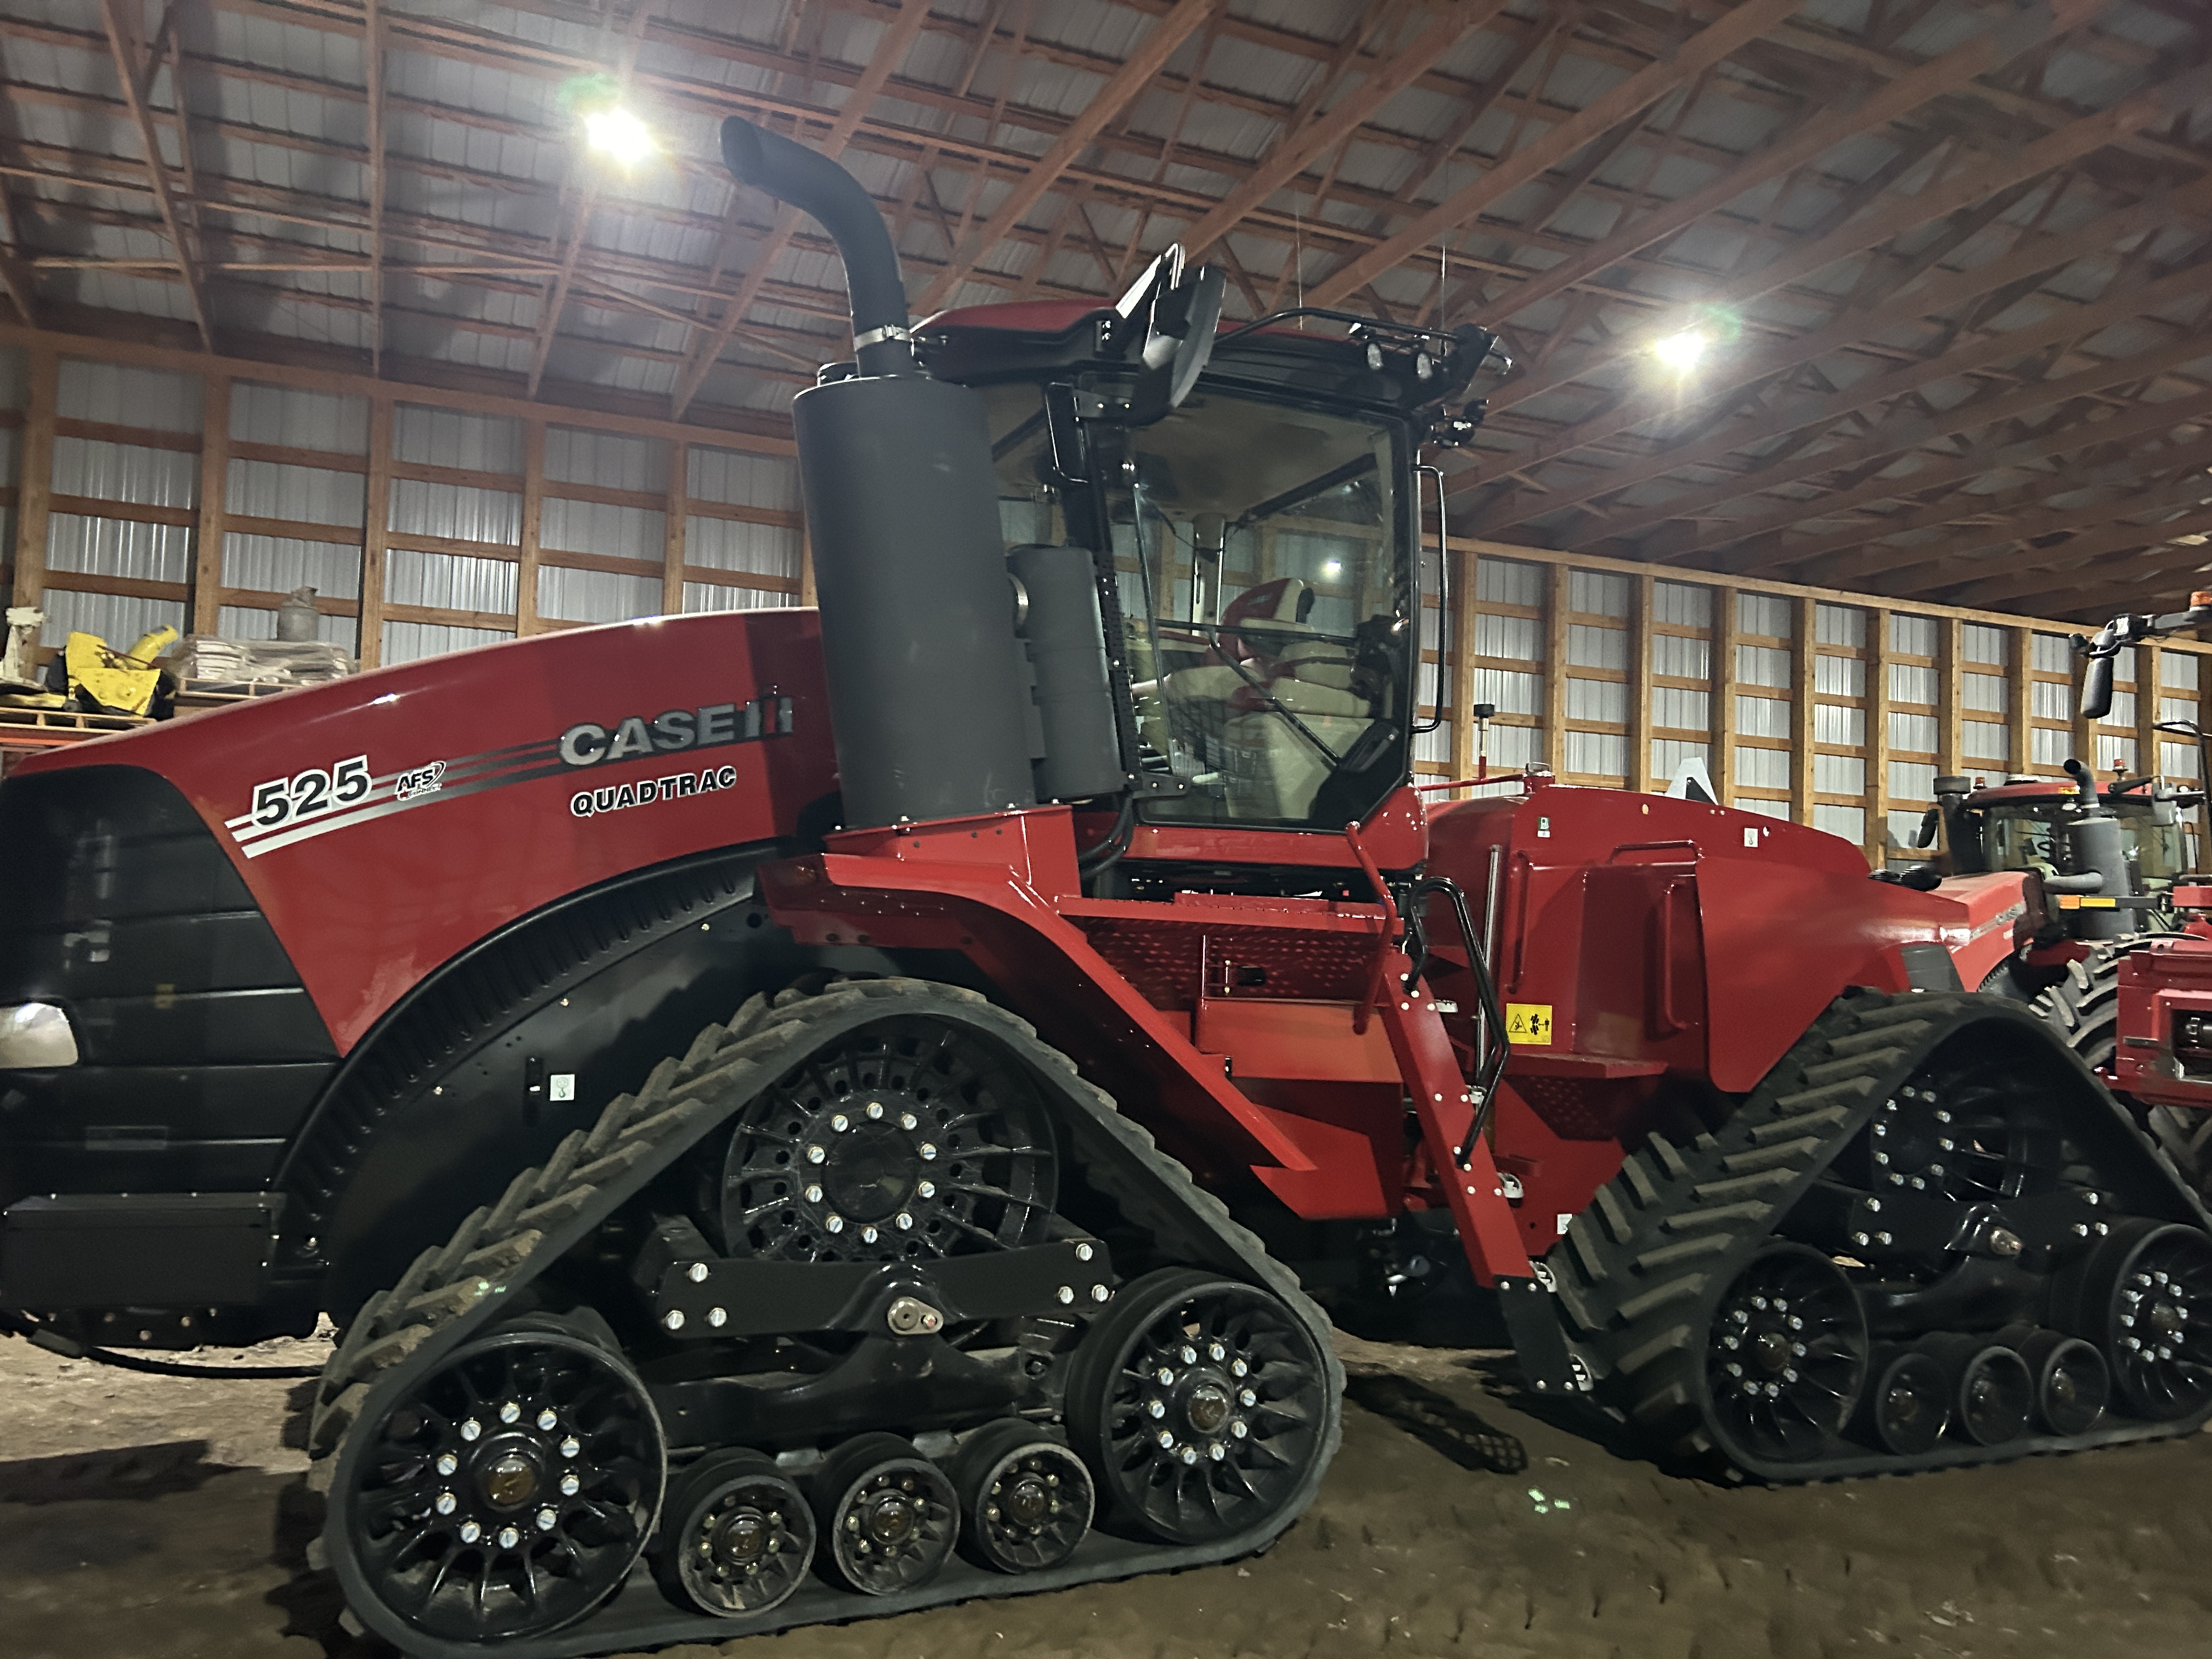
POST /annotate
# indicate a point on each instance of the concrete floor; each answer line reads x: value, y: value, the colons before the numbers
x: 155, y: 1518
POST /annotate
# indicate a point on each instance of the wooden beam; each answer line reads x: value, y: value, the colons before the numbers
x: 212, y: 529
x: 2059, y: 328
x: 2002, y: 37
x: 36, y: 472
x: 322, y: 377
x: 1805, y: 619
x: 1933, y: 292
x: 1463, y: 630
x: 1877, y: 736
x: 376, y: 528
x: 1299, y: 146
x: 533, y: 513
x: 1558, y: 599
x: 582, y: 199
x: 2058, y: 568
x: 1963, y: 187
x: 132, y: 71
x: 372, y: 50
x: 897, y: 38
x: 2148, y: 688
x: 1628, y: 99
x: 1724, y: 704
x: 2020, y: 697
x: 1123, y: 88
x: 1641, y: 599
x: 676, y: 520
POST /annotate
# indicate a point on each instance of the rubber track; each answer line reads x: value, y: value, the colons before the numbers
x: 1640, y: 1269
x: 452, y: 1291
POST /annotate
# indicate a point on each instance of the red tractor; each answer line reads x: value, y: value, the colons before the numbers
x: 802, y: 1115
x: 2134, y: 998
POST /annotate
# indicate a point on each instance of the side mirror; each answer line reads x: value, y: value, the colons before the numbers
x: 2097, y: 689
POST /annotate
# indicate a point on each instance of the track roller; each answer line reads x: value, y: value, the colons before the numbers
x: 1786, y: 1354
x: 889, y: 1514
x: 2072, y: 1382
x: 1905, y: 1405
x: 737, y: 1536
x: 1992, y: 1393
x: 1025, y: 1499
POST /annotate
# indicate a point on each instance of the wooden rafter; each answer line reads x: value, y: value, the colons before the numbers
x: 897, y: 37
x: 134, y: 72
x: 1623, y: 102
x: 1123, y: 88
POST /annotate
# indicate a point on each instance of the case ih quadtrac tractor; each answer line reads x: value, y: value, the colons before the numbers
x: 799, y: 1115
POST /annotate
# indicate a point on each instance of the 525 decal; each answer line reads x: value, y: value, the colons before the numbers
x: 306, y: 794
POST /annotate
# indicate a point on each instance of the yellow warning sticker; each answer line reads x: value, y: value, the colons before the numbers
x: 2077, y: 902
x: 1528, y: 1024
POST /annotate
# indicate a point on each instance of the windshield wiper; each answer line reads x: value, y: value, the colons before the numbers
x: 1212, y: 633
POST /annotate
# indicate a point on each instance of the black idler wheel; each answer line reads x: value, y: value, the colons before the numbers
x: 890, y: 1515
x: 2072, y: 1384
x: 1199, y: 1404
x: 1905, y: 1405
x: 1785, y: 1356
x: 737, y: 1536
x: 507, y: 1492
x: 2143, y: 1296
x: 1992, y: 1391
x: 1025, y: 1499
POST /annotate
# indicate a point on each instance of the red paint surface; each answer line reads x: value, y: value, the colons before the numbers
x: 366, y: 911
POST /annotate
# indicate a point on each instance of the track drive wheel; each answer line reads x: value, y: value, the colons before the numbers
x: 1199, y: 1404
x: 2144, y: 1297
x: 1785, y: 1356
x: 736, y: 1536
x: 1025, y: 1499
x: 889, y: 1514
x: 509, y: 1491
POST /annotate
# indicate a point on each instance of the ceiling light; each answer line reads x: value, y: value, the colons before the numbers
x: 618, y: 135
x: 1334, y: 567
x: 1681, y: 352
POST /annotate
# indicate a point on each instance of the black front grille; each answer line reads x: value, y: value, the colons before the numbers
x: 199, y: 1051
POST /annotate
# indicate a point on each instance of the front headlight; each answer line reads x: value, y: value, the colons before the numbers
x: 35, y: 1037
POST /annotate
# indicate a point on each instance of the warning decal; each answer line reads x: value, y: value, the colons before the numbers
x: 1528, y: 1024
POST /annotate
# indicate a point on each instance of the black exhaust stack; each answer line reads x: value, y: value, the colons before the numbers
x: 918, y: 642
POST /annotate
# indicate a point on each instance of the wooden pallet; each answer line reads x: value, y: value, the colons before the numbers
x: 50, y: 728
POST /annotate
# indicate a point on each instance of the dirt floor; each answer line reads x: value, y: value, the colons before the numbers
x: 143, y: 1517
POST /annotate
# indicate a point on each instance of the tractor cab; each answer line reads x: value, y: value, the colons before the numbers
x: 2027, y: 824
x: 1252, y: 536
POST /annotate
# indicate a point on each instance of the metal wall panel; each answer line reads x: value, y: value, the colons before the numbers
x: 461, y: 512
x: 405, y: 642
x: 595, y: 596
x: 446, y: 437
x: 244, y: 622
x: 713, y: 596
x: 298, y: 418
x: 740, y: 480
x: 448, y: 581
x: 117, y: 394
x: 118, y: 618
x: 271, y: 564
x: 763, y: 550
x: 608, y: 459
x: 125, y: 472
x: 312, y: 494
x: 118, y: 547
x: 622, y: 532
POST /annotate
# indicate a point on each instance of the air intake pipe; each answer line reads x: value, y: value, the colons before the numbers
x: 2097, y: 846
x: 926, y: 683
